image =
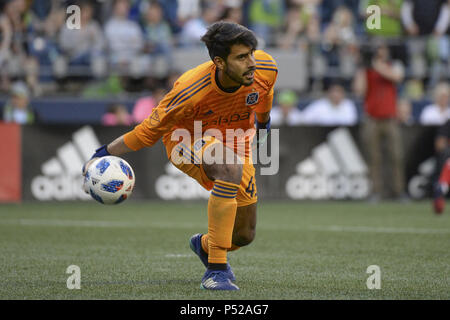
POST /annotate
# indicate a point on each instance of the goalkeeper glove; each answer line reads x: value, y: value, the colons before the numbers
x: 100, y: 152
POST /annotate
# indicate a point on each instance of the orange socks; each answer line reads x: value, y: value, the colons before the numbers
x: 205, y: 246
x: 222, y: 207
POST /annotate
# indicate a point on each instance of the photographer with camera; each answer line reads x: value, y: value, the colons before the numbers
x: 377, y: 83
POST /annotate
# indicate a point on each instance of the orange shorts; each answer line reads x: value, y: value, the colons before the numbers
x: 192, y: 165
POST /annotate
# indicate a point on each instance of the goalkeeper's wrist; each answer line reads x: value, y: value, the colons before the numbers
x: 101, y: 152
x: 261, y: 125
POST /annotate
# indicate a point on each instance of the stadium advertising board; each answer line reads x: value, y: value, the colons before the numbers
x: 314, y: 163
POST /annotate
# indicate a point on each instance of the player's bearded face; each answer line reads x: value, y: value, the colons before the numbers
x: 240, y: 65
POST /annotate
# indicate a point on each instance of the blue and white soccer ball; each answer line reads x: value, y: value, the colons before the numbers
x: 109, y: 180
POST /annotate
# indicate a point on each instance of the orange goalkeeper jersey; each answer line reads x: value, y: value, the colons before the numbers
x: 197, y: 97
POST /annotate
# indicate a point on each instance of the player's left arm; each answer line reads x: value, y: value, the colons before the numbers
x: 267, y: 69
x: 262, y: 111
x: 149, y: 131
x: 263, y: 117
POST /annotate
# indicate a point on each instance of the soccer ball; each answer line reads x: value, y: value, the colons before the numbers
x: 109, y: 180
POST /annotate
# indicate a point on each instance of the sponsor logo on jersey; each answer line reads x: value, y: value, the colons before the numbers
x: 227, y: 120
x: 199, y: 144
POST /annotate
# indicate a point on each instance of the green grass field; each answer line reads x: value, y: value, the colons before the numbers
x: 301, y: 251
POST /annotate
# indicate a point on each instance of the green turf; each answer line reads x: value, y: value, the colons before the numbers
x: 301, y: 251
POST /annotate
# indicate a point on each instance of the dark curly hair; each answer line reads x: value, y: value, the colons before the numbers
x: 222, y: 35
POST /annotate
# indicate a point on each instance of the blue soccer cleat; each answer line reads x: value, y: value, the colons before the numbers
x: 196, y: 245
x: 217, y: 280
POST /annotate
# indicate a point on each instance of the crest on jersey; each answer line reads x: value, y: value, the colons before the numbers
x: 252, y: 98
x: 199, y: 144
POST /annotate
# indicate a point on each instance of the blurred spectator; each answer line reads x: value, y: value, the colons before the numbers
x: 439, y: 112
x: 195, y: 28
x: 6, y: 34
x: 340, y: 30
x: 265, y: 17
x: 170, y: 8
x: 390, y: 27
x: 390, y: 21
x: 157, y: 33
x: 33, y: 36
x: 376, y: 82
x: 425, y: 17
x: 339, y: 42
x: 232, y: 14
x: 84, y: 44
x: 116, y: 115
x: 286, y: 111
x: 333, y: 110
x: 328, y: 7
x: 428, y: 18
x: 124, y: 37
x: 301, y: 22
x: 111, y: 86
x: 413, y: 89
x: 188, y: 10
x: 19, y: 62
x: 47, y: 18
x: 144, y: 106
x: 17, y: 108
x: 404, y: 112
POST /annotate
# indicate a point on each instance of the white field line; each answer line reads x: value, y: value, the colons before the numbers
x: 379, y: 229
x: 93, y: 223
x: 179, y: 255
x: 175, y: 225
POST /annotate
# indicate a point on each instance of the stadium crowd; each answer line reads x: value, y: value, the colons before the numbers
x: 125, y: 47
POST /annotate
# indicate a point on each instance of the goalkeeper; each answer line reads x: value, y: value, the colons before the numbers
x: 224, y: 93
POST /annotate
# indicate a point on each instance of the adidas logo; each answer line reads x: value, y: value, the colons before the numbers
x: 154, y: 118
x: 211, y: 284
x: 175, y: 184
x: 335, y: 170
x: 94, y: 181
x: 419, y: 184
x: 61, y: 177
x: 208, y: 113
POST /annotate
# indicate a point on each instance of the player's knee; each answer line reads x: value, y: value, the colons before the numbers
x: 244, y: 238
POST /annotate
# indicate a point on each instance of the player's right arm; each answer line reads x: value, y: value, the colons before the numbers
x: 174, y: 106
x: 115, y: 148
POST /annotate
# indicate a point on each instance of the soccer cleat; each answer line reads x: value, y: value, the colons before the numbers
x: 438, y: 199
x: 217, y: 280
x: 196, y: 245
x: 438, y: 205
